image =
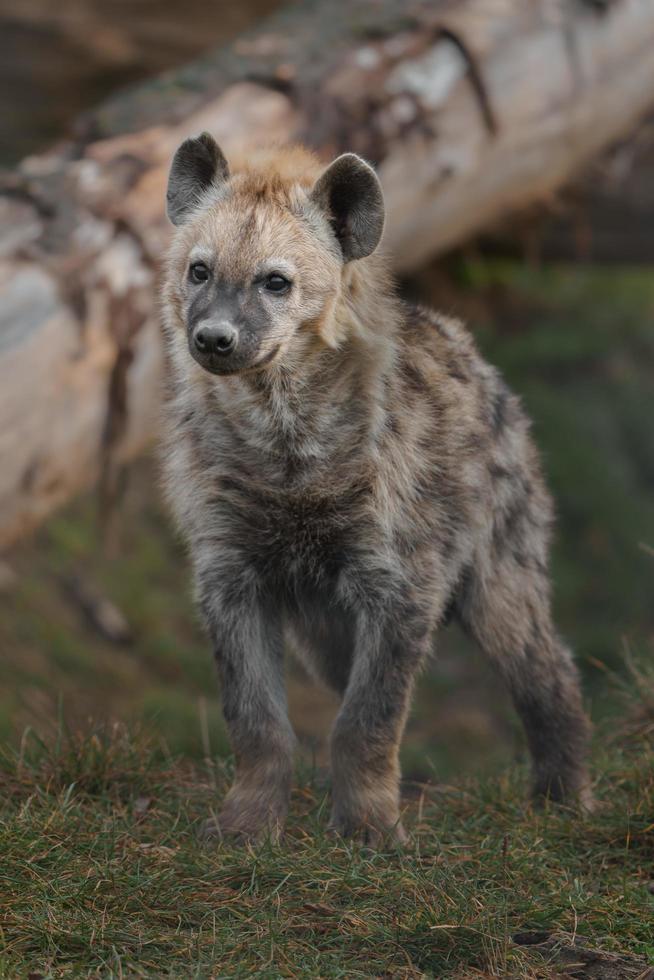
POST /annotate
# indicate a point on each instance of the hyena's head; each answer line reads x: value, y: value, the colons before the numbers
x: 258, y: 257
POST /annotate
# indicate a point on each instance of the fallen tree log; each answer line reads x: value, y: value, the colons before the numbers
x: 605, y: 215
x: 470, y: 109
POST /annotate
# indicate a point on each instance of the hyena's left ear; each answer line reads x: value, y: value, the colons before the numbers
x: 198, y: 163
x: 350, y: 195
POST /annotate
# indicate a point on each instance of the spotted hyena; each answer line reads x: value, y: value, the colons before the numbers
x: 349, y: 473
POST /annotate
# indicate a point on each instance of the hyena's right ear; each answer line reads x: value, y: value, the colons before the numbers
x: 349, y: 193
x: 198, y: 163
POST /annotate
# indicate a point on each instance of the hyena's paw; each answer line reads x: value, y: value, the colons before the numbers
x: 245, y: 818
x: 572, y: 790
x: 378, y: 832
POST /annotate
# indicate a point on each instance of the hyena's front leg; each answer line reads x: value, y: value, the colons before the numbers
x: 366, y: 737
x: 249, y: 653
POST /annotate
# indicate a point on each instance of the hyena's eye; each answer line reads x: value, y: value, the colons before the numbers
x: 198, y: 272
x: 276, y: 283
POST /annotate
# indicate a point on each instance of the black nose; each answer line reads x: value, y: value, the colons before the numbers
x: 220, y: 338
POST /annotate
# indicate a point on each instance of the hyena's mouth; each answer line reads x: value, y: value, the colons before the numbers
x: 267, y: 358
x: 219, y: 365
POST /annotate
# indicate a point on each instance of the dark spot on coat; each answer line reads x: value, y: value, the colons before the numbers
x: 498, y: 472
x: 499, y: 409
x: 414, y: 378
x: 392, y: 423
x: 456, y: 371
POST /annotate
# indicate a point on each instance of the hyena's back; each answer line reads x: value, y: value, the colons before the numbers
x: 495, y: 487
x: 474, y: 479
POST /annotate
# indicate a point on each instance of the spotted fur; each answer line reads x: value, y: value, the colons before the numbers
x: 361, y: 476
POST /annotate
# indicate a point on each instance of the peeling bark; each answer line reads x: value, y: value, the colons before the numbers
x: 471, y: 110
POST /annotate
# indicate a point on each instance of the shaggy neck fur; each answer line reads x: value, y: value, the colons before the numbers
x: 324, y: 404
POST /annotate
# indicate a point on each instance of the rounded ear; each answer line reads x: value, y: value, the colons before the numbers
x: 350, y: 195
x: 198, y: 163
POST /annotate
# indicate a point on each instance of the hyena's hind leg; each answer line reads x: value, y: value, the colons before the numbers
x: 505, y: 605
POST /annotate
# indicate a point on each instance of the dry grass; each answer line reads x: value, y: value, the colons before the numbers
x: 102, y: 874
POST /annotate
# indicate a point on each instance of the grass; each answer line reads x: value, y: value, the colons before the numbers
x: 102, y: 872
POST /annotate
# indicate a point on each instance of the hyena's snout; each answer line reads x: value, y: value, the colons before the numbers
x: 222, y: 345
x: 214, y: 339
